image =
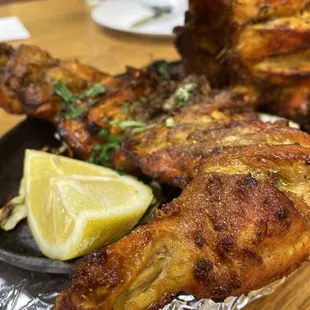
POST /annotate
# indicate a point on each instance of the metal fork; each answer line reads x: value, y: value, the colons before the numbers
x: 157, y: 12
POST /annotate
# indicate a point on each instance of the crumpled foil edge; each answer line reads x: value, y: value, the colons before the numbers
x: 183, y: 302
x: 25, y: 290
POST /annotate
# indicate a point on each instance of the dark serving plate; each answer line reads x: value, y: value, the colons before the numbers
x: 17, y: 247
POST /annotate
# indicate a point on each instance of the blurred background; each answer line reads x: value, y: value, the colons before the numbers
x: 108, y: 34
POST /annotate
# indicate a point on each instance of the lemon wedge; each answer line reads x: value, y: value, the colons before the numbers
x: 75, y: 207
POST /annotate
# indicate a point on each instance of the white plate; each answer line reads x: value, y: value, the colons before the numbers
x: 122, y: 14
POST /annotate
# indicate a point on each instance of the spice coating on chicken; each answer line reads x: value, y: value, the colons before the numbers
x: 263, y: 45
x: 216, y: 240
x: 27, y: 77
x: 242, y: 220
x: 27, y: 85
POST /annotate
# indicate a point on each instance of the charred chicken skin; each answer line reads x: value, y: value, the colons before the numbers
x: 262, y: 45
x: 225, y: 235
x: 242, y: 220
x: 28, y: 75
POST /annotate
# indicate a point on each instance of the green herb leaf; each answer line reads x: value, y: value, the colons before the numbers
x: 91, y: 159
x: 125, y: 108
x: 114, y: 142
x: 183, y: 93
x: 135, y: 131
x: 142, y: 99
x: 97, y: 147
x: 170, y: 123
x: 115, y: 139
x: 121, y: 171
x: 127, y: 123
x: 70, y: 100
x: 163, y: 69
x: 103, y: 134
x: 101, y: 154
x: 73, y: 112
x: 95, y: 90
x: 92, y: 101
x: 61, y: 89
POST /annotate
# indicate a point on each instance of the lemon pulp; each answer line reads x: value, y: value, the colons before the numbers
x: 75, y: 207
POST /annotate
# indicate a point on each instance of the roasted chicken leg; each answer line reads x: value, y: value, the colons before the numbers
x: 225, y: 235
x: 242, y: 220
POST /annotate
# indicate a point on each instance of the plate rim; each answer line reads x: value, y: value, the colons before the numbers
x: 34, y: 263
x: 40, y: 263
x: 137, y: 32
x: 29, y: 262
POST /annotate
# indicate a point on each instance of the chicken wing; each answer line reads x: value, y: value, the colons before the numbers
x: 27, y: 77
x: 225, y: 235
x: 172, y: 155
x: 242, y: 220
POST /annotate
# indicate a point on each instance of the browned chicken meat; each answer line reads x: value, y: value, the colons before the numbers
x: 27, y: 77
x: 78, y: 99
x: 225, y: 235
x: 242, y: 220
x: 264, y: 46
x: 173, y: 154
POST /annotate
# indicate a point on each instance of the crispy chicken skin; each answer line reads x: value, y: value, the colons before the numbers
x: 27, y: 77
x: 175, y: 163
x: 143, y: 92
x: 216, y: 240
x: 263, y: 45
x: 171, y: 155
x: 242, y: 220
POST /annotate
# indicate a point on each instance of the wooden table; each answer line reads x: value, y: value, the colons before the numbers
x: 65, y: 29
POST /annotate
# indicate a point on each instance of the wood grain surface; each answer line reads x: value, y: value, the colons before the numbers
x: 65, y: 29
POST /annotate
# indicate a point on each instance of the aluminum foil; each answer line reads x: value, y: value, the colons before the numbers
x: 25, y: 290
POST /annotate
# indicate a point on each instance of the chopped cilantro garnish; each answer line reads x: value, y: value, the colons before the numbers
x: 163, y: 69
x: 183, y: 93
x: 136, y: 126
x: 97, y: 147
x: 70, y: 100
x: 94, y: 91
x: 121, y: 171
x: 125, y: 108
x: 92, y: 101
x: 101, y: 154
x: 137, y: 130
x: 61, y: 89
x: 127, y: 123
x: 73, y: 112
x: 142, y: 99
x: 103, y: 134
x: 170, y: 123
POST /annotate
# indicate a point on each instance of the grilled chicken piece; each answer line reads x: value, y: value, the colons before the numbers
x: 142, y: 99
x: 285, y: 166
x: 225, y: 235
x: 169, y: 154
x: 27, y: 77
x: 263, y: 45
x: 229, y: 232
x: 172, y: 155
